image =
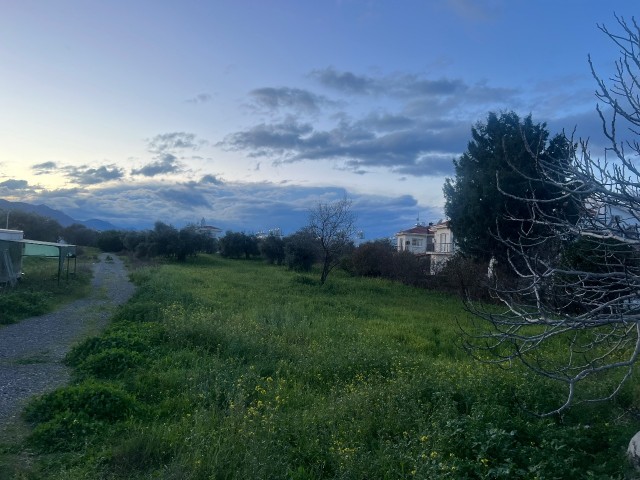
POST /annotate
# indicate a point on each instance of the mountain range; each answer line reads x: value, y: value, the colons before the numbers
x: 61, y: 217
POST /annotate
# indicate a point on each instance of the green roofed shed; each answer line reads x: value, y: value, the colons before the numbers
x: 62, y: 251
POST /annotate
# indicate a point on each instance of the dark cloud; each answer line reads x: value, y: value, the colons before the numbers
x: 408, y: 152
x: 415, y: 86
x: 430, y: 125
x: 345, y: 82
x: 384, y: 122
x: 211, y: 180
x: 43, y: 168
x: 431, y: 165
x: 165, y: 163
x: 200, y: 98
x: 169, y: 142
x: 417, y: 150
x: 184, y: 197
x: 14, y: 184
x: 85, y: 175
x: 269, y: 139
x: 274, y: 99
x: 399, y: 86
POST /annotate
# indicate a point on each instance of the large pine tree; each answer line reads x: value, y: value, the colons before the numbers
x: 502, y: 162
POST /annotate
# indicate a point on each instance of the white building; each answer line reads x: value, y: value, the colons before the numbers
x: 435, y: 241
x: 443, y: 245
x: 417, y: 240
x: 208, y: 230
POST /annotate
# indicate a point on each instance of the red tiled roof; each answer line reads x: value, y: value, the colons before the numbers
x: 417, y: 230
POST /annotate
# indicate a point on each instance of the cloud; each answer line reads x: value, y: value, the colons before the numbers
x: 274, y: 99
x: 346, y: 82
x: 200, y: 98
x: 429, y: 165
x: 417, y: 125
x: 416, y: 86
x: 385, y: 121
x: 184, y: 197
x: 269, y: 139
x: 237, y: 206
x: 170, y: 142
x: 396, y: 85
x: 417, y: 150
x: 44, y: 168
x: 211, y: 180
x: 14, y: 184
x: 85, y: 175
x: 165, y: 163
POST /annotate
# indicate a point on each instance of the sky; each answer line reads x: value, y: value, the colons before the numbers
x: 249, y: 113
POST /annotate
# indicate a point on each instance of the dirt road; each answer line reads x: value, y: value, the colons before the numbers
x: 32, y: 350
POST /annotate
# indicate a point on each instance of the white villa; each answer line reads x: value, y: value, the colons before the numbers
x: 208, y: 230
x: 433, y: 240
x: 417, y: 240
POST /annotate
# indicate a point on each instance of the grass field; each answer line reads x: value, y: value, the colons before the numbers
x: 222, y: 369
x: 38, y: 291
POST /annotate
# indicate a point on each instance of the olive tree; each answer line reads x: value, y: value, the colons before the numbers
x: 333, y: 225
x: 572, y: 314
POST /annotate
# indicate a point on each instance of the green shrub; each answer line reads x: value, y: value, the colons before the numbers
x: 118, y: 339
x: 111, y: 363
x: 95, y: 400
x: 66, y: 431
x: 21, y: 304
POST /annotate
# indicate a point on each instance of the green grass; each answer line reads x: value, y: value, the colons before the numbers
x: 233, y: 369
x: 38, y: 290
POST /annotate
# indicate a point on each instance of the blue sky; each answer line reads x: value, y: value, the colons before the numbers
x: 249, y: 113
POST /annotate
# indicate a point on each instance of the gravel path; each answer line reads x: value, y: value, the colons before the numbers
x: 32, y: 350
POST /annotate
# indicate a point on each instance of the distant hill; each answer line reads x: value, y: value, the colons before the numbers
x: 61, y: 217
x: 99, y: 225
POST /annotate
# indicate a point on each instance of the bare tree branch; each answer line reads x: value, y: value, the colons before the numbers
x: 570, y: 308
x: 333, y: 224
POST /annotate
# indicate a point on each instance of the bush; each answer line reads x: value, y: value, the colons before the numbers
x: 68, y: 418
x: 409, y: 269
x: 301, y: 251
x: 67, y: 431
x: 97, y: 401
x: 123, y: 340
x: 111, y: 363
x: 20, y: 304
x: 236, y: 245
x: 272, y: 248
x: 110, y: 241
x: 373, y: 259
x: 464, y: 276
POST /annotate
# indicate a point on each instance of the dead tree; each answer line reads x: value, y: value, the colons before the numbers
x: 333, y: 225
x: 571, y: 309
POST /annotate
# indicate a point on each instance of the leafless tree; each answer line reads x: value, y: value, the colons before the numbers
x: 333, y: 224
x: 571, y: 309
